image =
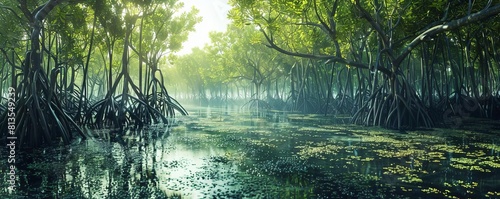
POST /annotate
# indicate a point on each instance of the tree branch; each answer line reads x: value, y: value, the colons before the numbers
x: 328, y: 58
x: 330, y: 30
x: 382, y: 34
x: 481, y: 15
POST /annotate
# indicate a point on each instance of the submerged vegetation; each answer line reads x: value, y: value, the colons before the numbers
x: 232, y: 154
x: 352, y: 161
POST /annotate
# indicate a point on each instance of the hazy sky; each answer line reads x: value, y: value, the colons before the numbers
x: 214, y: 14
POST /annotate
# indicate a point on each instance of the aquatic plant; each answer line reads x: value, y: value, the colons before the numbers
x: 320, y: 151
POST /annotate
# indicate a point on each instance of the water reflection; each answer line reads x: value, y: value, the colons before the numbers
x: 230, y: 153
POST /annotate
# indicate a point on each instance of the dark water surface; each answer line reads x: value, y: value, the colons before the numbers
x: 223, y: 153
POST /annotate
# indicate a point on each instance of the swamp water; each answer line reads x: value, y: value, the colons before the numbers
x: 221, y: 153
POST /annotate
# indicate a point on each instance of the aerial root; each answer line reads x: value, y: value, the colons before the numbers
x: 400, y: 110
x: 40, y: 117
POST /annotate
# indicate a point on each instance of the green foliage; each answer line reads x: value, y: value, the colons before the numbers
x: 377, y: 36
x: 101, y: 32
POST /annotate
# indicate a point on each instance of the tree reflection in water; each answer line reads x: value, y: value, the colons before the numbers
x: 279, y: 155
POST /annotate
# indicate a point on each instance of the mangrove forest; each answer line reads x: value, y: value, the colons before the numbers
x: 293, y: 99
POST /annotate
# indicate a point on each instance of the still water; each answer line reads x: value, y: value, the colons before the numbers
x: 230, y: 153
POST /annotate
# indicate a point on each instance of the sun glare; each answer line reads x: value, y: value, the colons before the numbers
x: 214, y: 14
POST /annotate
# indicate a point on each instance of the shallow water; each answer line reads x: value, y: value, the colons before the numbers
x: 229, y: 153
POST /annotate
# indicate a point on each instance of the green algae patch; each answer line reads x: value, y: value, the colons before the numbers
x: 482, y: 164
x: 320, y: 151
